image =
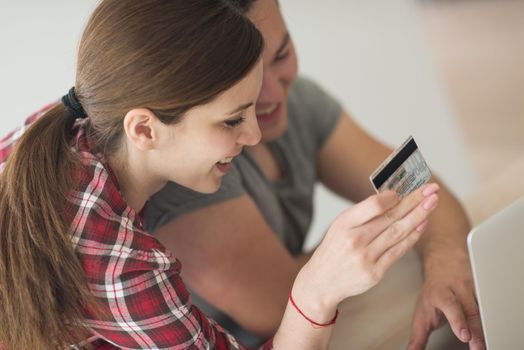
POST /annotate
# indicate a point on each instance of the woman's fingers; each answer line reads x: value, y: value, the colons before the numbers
x: 369, y: 209
x: 376, y: 227
x: 403, y: 234
x: 397, y: 251
x: 410, y: 202
x: 367, y: 238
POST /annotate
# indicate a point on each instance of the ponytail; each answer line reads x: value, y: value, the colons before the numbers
x: 42, y: 284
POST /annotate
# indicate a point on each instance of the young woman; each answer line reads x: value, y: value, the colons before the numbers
x: 307, y: 138
x: 165, y: 91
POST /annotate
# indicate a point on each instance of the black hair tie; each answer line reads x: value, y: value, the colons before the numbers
x: 72, y: 105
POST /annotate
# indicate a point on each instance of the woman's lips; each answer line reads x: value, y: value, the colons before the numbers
x: 223, y: 167
x: 225, y: 164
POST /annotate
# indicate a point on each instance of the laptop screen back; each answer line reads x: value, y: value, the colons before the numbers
x: 496, y: 249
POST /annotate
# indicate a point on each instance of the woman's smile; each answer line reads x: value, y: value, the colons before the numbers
x: 224, y: 165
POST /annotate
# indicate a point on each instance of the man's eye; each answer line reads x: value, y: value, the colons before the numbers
x: 281, y: 56
x: 234, y: 122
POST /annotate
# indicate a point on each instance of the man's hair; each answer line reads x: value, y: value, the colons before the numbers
x: 243, y: 5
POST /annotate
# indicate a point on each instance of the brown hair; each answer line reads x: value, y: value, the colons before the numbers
x: 165, y: 55
x: 243, y: 5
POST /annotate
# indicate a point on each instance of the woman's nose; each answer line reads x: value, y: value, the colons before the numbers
x: 250, y: 134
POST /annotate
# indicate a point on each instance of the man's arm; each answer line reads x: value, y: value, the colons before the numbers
x: 233, y: 259
x: 344, y: 164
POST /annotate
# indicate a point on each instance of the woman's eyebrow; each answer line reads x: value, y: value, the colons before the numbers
x: 241, y: 108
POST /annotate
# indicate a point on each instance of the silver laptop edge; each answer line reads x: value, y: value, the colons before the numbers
x: 496, y: 249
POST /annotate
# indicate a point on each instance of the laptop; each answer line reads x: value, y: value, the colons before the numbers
x: 496, y: 249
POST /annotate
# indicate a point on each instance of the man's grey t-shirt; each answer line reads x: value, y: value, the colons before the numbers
x: 286, y: 205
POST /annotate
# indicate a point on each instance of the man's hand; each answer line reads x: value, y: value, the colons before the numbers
x: 448, y: 294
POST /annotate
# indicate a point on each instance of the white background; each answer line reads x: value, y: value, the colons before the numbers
x: 370, y: 54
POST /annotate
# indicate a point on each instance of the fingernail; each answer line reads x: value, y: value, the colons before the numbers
x: 422, y: 226
x: 430, y: 189
x: 464, y: 334
x: 430, y: 202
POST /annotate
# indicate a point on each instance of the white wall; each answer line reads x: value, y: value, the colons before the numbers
x: 38, y: 41
x: 368, y: 53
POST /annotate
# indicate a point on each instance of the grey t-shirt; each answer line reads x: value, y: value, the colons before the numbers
x: 287, y: 205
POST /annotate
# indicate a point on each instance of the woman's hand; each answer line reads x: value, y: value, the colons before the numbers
x: 359, y: 247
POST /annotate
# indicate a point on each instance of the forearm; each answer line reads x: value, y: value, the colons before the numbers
x: 295, y: 332
x: 447, y: 231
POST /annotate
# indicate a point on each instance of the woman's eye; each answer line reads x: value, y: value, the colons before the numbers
x: 234, y: 122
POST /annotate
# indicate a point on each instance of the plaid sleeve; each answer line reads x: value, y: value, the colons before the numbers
x: 143, y: 300
x: 148, y: 306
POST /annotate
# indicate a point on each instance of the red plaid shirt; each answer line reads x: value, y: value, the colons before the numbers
x: 135, y: 278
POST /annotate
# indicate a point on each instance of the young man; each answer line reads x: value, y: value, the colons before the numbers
x: 246, y: 266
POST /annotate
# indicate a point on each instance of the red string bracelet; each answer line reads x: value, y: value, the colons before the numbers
x: 313, y: 323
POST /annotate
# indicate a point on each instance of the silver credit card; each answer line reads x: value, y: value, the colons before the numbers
x: 404, y: 170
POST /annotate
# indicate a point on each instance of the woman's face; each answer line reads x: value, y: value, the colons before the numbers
x: 280, y: 68
x: 197, y: 151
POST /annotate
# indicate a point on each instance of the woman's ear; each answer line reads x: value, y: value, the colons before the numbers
x: 140, y: 128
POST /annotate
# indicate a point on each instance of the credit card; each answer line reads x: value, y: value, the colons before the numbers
x: 404, y: 170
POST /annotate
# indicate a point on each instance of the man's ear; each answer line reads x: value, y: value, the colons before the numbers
x: 140, y: 128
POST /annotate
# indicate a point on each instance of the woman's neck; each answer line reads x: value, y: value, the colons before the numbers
x: 135, y: 182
